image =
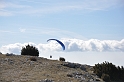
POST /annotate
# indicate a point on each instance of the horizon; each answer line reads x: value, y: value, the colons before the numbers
x: 90, y: 30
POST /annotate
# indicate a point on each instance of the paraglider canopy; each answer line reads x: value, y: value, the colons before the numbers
x: 63, y: 46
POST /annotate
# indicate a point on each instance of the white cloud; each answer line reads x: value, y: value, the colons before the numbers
x: 71, y: 45
x: 5, y: 13
x: 22, y: 29
x: 95, y: 45
x: 65, y: 6
x: 10, y: 8
x: 6, y: 31
x: 59, y: 33
x: 14, y: 48
x: 41, y: 7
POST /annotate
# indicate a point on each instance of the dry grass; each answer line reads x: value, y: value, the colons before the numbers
x: 22, y: 69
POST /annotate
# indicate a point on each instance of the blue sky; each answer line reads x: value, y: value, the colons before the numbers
x: 98, y: 23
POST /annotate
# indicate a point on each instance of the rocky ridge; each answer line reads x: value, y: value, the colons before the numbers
x: 18, y: 68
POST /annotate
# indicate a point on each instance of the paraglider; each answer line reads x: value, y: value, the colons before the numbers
x: 63, y: 46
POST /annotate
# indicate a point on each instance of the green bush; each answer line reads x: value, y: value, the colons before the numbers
x: 61, y: 59
x: 115, y: 73
x: 29, y: 50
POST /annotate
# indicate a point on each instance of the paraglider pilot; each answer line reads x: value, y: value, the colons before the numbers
x: 50, y: 56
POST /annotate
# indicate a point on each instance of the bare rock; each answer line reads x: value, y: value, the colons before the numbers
x: 46, y: 80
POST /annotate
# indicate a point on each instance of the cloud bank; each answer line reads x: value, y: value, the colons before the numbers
x: 71, y: 46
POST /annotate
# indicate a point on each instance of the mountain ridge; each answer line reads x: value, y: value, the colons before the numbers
x: 19, y: 68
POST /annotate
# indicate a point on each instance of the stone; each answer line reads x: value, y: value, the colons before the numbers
x: 46, y: 80
x: 75, y: 65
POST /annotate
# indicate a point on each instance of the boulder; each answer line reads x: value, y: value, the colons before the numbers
x: 75, y: 65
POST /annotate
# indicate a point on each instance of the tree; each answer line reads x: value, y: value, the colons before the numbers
x: 29, y: 50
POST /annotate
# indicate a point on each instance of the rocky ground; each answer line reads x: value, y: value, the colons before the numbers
x: 18, y: 68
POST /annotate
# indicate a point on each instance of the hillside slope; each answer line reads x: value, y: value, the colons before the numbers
x: 18, y: 68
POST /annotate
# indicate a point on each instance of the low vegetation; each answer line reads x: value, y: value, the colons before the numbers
x: 61, y: 59
x: 29, y: 50
x: 109, y: 72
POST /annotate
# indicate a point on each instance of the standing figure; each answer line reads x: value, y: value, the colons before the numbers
x: 50, y: 56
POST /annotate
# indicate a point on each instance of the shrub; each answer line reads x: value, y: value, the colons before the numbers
x: 61, y: 59
x: 113, y: 72
x: 0, y: 52
x: 29, y: 50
